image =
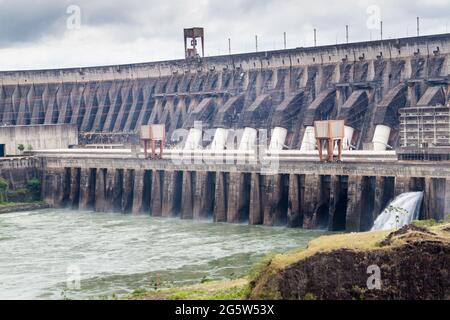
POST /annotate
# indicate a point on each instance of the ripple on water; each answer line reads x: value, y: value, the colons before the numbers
x: 119, y: 253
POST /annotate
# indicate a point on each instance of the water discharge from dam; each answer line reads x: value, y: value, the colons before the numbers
x: 402, y: 211
x: 113, y: 253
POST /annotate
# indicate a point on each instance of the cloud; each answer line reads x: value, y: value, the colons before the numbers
x: 33, y: 34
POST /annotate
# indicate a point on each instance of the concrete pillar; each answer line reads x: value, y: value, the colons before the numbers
x: 447, y: 200
x: 295, y: 218
x: 221, y: 197
x: 238, y: 197
x: 54, y: 189
x: 379, y: 195
x: 171, y: 193
x: 100, y: 191
x: 256, y: 206
x: 274, y: 213
x: 321, y: 214
x: 367, y: 203
x: 116, y: 190
x: 435, y: 198
x: 74, y: 196
x: 338, y: 203
x: 87, y: 186
x: 384, y: 193
x: 156, y: 199
x: 147, y: 191
x: 353, y: 216
x: 309, y: 202
x: 138, y: 191
x: 187, y: 195
x: 109, y: 190
x: 204, y: 194
x: 127, y: 194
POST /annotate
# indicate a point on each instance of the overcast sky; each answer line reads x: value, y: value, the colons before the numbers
x: 37, y: 34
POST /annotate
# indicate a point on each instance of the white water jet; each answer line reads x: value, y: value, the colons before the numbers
x: 401, y: 211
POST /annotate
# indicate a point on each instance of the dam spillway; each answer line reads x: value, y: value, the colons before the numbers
x: 362, y: 83
x: 284, y: 92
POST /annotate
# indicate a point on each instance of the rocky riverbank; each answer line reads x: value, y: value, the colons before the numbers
x: 15, y: 207
x: 410, y: 263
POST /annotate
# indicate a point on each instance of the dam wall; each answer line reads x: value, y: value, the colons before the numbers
x: 363, y: 83
x: 18, y: 171
x: 334, y: 196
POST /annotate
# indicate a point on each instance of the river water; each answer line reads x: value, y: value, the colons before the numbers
x: 44, y: 253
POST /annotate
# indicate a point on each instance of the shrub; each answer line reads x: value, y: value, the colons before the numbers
x: 21, y: 147
x: 4, y: 186
x: 34, y: 189
x: 19, y: 195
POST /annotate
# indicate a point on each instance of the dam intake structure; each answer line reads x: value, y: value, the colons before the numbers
x: 284, y: 92
x: 345, y: 196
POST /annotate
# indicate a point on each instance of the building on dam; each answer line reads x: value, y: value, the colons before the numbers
x: 393, y: 96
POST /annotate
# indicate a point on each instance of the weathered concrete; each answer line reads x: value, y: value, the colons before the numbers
x: 221, y: 197
x: 187, y: 195
x: 310, y: 185
x: 363, y: 83
x: 55, y: 136
x: 295, y: 214
x: 256, y: 210
x: 138, y: 197
x: 354, y: 196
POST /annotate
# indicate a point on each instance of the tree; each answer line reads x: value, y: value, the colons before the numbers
x: 29, y: 147
x: 21, y: 147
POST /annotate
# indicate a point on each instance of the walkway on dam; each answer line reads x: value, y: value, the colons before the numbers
x: 361, y: 163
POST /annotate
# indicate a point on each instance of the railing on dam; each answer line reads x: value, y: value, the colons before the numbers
x: 220, y: 156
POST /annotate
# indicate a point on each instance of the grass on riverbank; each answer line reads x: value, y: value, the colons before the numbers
x: 13, y: 204
x: 214, y: 290
x: 269, y: 265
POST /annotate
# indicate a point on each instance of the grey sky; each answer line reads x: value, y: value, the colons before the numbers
x: 34, y: 34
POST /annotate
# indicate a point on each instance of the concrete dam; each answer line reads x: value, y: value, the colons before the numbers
x: 365, y: 84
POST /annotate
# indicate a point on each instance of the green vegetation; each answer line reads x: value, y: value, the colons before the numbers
x: 34, y: 188
x: 310, y: 296
x: 30, y: 194
x: 211, y: 290
x: 4, y: 185
x: 426, y: 223
x: 21, y: 147
x: 262, y: 276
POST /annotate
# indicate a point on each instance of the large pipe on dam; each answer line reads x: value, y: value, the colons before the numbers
x: 381, y: 137
x: 278, y: 138
x: 220, y: 139
x: 193, y: 140
x: 309, y: 140
x: 248, y: 139
x: 348, y: 137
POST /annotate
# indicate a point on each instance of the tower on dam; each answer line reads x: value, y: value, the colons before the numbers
x: 378, y: 88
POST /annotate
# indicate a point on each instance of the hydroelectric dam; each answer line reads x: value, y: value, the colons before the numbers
x: 392, y: 94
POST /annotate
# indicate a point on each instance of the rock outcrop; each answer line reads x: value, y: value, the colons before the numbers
x: 413, y: 263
